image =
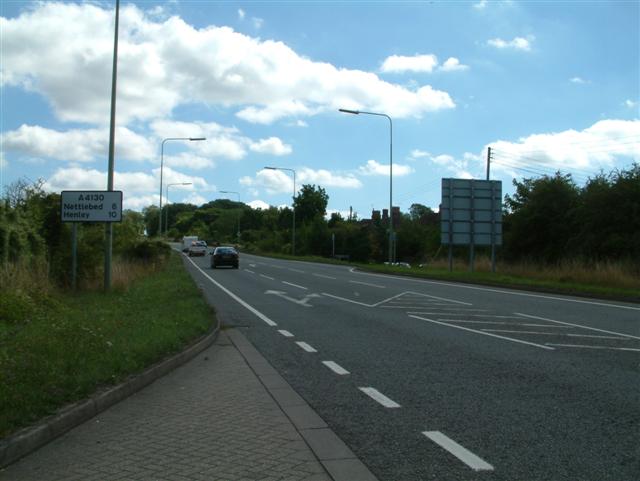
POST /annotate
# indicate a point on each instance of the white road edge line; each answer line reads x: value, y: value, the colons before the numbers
x: 247, y: 270
x: 367, y: 284
x: 267, y: 277
x: 336, y: 368
x: 295, y: 285
x: 595, y: 347
x: 285, y: 333
x: 379, y: 397
x: 484, y: 333
x: 306, y: 346
x: 325, y: 277
x: 234, y: 297
x: 296, y: 270
x: 463, y: 454
x: 576, y: 325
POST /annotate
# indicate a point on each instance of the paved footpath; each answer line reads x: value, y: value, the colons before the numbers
x: 225, y: 415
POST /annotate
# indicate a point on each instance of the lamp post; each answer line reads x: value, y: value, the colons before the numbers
x: 190, y: 139
x: 293, y: 206
x: 238, y: 194
x: 166, y: 218
x: 391, y: 236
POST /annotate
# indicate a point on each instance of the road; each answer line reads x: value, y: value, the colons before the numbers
x: 430, y: 380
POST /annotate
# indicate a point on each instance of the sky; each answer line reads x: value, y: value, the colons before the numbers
x: 549, y: 86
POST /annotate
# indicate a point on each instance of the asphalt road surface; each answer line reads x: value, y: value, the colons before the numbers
x: 438, y: 381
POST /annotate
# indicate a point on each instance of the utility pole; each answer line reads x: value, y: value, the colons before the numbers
x: 488, y: 161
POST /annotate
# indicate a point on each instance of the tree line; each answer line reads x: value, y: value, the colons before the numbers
x: 547, y: 220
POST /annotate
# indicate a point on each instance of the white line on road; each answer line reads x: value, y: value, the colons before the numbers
x: 576, y: 325
x: 325, y: 277
x: 267, y: 277
x: 294, y: 285
x: 306, y: 346
x: 336, y: 368
x: 234, y: 297
x: 466, y: 321
x: 347, y: 300
x: 367, y: 284
x: 499, y: 291
x: 556, y: 334
x: 379, y: 397
x: 483, y: 333
x: 460, y: 452
x: 440, y: 298
x: 247, y: 270
x: 470, y: 315
x: 285, y: 333
x: 296, y: 270
x: 594, y: 347
x: 389, y: 299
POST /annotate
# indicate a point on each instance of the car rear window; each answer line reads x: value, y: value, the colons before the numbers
x: 225, y: 250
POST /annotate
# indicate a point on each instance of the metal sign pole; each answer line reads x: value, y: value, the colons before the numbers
x: 74, y: 256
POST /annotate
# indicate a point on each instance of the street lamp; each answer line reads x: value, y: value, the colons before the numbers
x: 391, y: 236
x: 190, y: 139
x: 166, y: 217
x: 238, y: 194
x: 293, y: 206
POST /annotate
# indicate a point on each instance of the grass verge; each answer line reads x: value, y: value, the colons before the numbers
x: 57, y: 348
x: 605, y: 280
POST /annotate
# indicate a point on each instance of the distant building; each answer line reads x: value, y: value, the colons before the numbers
x: 375, y: 215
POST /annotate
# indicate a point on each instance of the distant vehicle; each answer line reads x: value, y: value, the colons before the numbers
x: 197, y: 248
x: 186, y: 242
x: 225, y: 256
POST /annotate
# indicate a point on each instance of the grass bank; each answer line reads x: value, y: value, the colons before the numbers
x: 58, y: 347
x: 605, y: 280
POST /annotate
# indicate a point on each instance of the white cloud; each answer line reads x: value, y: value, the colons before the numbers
x: 258, y: 204
x: 417, y: 63
x: 189, y: 161
x: 138, y: 203
x: 195, y: 199
x: 257, y: 22
x: 418, y: 154
x: 241, y: 14
x: 481, y: 5
x: 76, y: 145
x: 324, y: 178
x: 590, y: 149
x: 51, y: 46
x: 272, y: 145
x: 630, y: 103
x: 272, y: 181
x: 275, y: 111
x: 221, y: 142
x: 374, y: 168
x: 460, y: 168
x: 577, y: 80
x: 452, y: 64
x: 518, y: 43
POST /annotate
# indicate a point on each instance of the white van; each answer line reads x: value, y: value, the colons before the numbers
x: 187, y: 240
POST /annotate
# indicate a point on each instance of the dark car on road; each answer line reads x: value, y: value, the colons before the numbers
x: 225, y: 256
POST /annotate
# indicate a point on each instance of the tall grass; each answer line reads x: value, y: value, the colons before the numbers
x: 58, y: 347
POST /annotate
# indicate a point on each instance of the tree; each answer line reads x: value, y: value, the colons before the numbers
x: 540, y: 221
x: 310, y: 203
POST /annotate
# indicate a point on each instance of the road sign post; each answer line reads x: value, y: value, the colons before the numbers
x: 88, y: 206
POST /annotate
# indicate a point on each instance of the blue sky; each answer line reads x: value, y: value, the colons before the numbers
x: 548, y: 85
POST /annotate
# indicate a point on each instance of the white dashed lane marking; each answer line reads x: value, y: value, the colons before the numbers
x: 306, y: 346
x: 460, y: 452
x: 336, y: 368
x: 285, y: 333
x: 295, y: 285
x: 379, y: 397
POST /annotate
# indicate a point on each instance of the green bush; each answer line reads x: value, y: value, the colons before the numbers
x: 148, y: 251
